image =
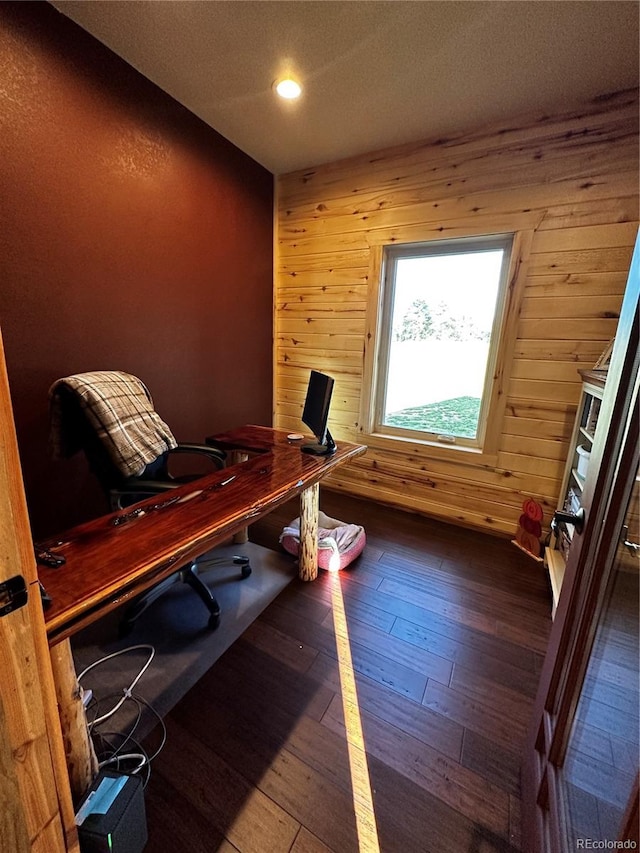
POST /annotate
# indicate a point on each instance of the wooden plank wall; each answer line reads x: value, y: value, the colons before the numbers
x: 577, y: 173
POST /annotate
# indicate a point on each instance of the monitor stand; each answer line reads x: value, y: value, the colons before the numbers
x: 321, y: 449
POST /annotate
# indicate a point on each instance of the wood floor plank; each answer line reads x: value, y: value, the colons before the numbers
x: 412, y: 820
x: 165, y: 809
x: 523, y: 575
x: 515, y: 814
x: 441, y: 606
x: 615, y: 672
x: 325, y: 809
x: 306, y: 842
x: 507, y: 674
x: 367, y: 661
x: 462, y: 789
x: 359, y: 572
x: 512, y: 704
x: 476, y: 587
x: 490, y: 759
x: 412, y: 656
x: 365, y: 614
x: 313, y: 601
x: 281, y: 646
x: 446, y: 631
x: 474, y: 715
x: 261, y: 743
x: 271, y: 684
x: 488, y: 605
x: 304, y: 630
x: 431, y: 728
x: 477, y: 640
x: 522, y: 635
x: 251, y: 820
x: 303, y: 599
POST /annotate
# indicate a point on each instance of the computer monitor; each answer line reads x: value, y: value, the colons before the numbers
x: 316, y: 413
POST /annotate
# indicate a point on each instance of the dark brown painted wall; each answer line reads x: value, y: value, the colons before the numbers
x: 132, y: 237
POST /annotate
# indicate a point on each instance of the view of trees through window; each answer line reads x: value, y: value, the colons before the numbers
x: 441, y: 316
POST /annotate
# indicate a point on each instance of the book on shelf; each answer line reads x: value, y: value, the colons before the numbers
x: 572, y: 501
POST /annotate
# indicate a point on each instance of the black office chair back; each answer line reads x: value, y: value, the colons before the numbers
x: 99, y: 460
x: 121, y: 492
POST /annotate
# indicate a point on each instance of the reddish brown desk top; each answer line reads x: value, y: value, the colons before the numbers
x: 107, y: 564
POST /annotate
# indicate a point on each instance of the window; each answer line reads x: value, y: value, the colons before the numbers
x: 439, y: 326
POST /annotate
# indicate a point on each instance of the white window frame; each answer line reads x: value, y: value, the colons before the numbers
x: 484, y: 448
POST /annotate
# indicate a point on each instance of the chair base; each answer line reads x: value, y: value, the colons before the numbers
x: 189, y: 575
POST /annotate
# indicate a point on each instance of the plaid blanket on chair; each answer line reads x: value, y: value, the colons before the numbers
x: 120, y: 409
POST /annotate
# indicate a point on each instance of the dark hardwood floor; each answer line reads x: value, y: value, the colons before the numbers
x: 445, y: 632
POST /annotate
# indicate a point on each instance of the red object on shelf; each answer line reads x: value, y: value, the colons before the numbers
x: 530, y: 525
x: 532, y: 509
x: 530, y: 528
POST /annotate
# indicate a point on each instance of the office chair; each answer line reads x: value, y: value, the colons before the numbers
x: 109, y: 415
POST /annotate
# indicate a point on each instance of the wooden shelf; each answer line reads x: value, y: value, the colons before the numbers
x: 594, y: 376
x: 586, y: 434
x: 579, y: 481
x: 573, y: 483
x: 555, y: 564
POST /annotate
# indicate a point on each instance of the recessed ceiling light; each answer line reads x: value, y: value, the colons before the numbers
x: 288, y: 88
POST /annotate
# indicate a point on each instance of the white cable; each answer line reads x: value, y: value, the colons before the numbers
x: 127, y: 690
x: 142, y: 757
x: 116, y: 759
x: 132, y: 728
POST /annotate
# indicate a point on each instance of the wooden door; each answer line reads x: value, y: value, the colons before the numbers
x: 35, y: 812
x: 591, y: 588
x: 600, y: 766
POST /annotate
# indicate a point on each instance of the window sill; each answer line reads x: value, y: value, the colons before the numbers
x: 424, y: 449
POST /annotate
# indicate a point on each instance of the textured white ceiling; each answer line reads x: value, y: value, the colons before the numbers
x: 374, y: 73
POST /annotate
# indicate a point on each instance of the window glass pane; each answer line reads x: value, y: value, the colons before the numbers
x: 442, y: 316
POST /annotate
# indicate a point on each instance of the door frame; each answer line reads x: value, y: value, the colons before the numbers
x: 37, y: 810
x: 612, y: 470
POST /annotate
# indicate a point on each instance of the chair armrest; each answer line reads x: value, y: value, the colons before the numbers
x: 216, y: 456
x: 129, y: 493
x: 147, y: 487
x: 139, y: 490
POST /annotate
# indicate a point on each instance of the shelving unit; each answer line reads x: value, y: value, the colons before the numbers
x: 576, y: 469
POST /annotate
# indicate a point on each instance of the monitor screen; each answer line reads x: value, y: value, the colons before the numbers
x: 316, y: 413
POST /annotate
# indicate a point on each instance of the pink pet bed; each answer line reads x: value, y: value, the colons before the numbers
x: 339, y: 543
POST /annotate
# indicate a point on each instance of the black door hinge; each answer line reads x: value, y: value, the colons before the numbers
x: 13, y: 595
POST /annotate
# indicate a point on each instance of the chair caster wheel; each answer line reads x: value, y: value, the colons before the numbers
x: 214, y: 621
x: 243, y: 562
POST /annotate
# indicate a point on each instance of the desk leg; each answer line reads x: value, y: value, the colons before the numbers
x: 82, y: 764
x: 308, y: 561
x: 241, y: 536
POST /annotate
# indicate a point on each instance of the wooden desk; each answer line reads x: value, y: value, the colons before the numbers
x: 108, y: 563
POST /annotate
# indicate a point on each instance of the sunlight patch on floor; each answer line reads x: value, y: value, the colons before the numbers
x: 360, y: 781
